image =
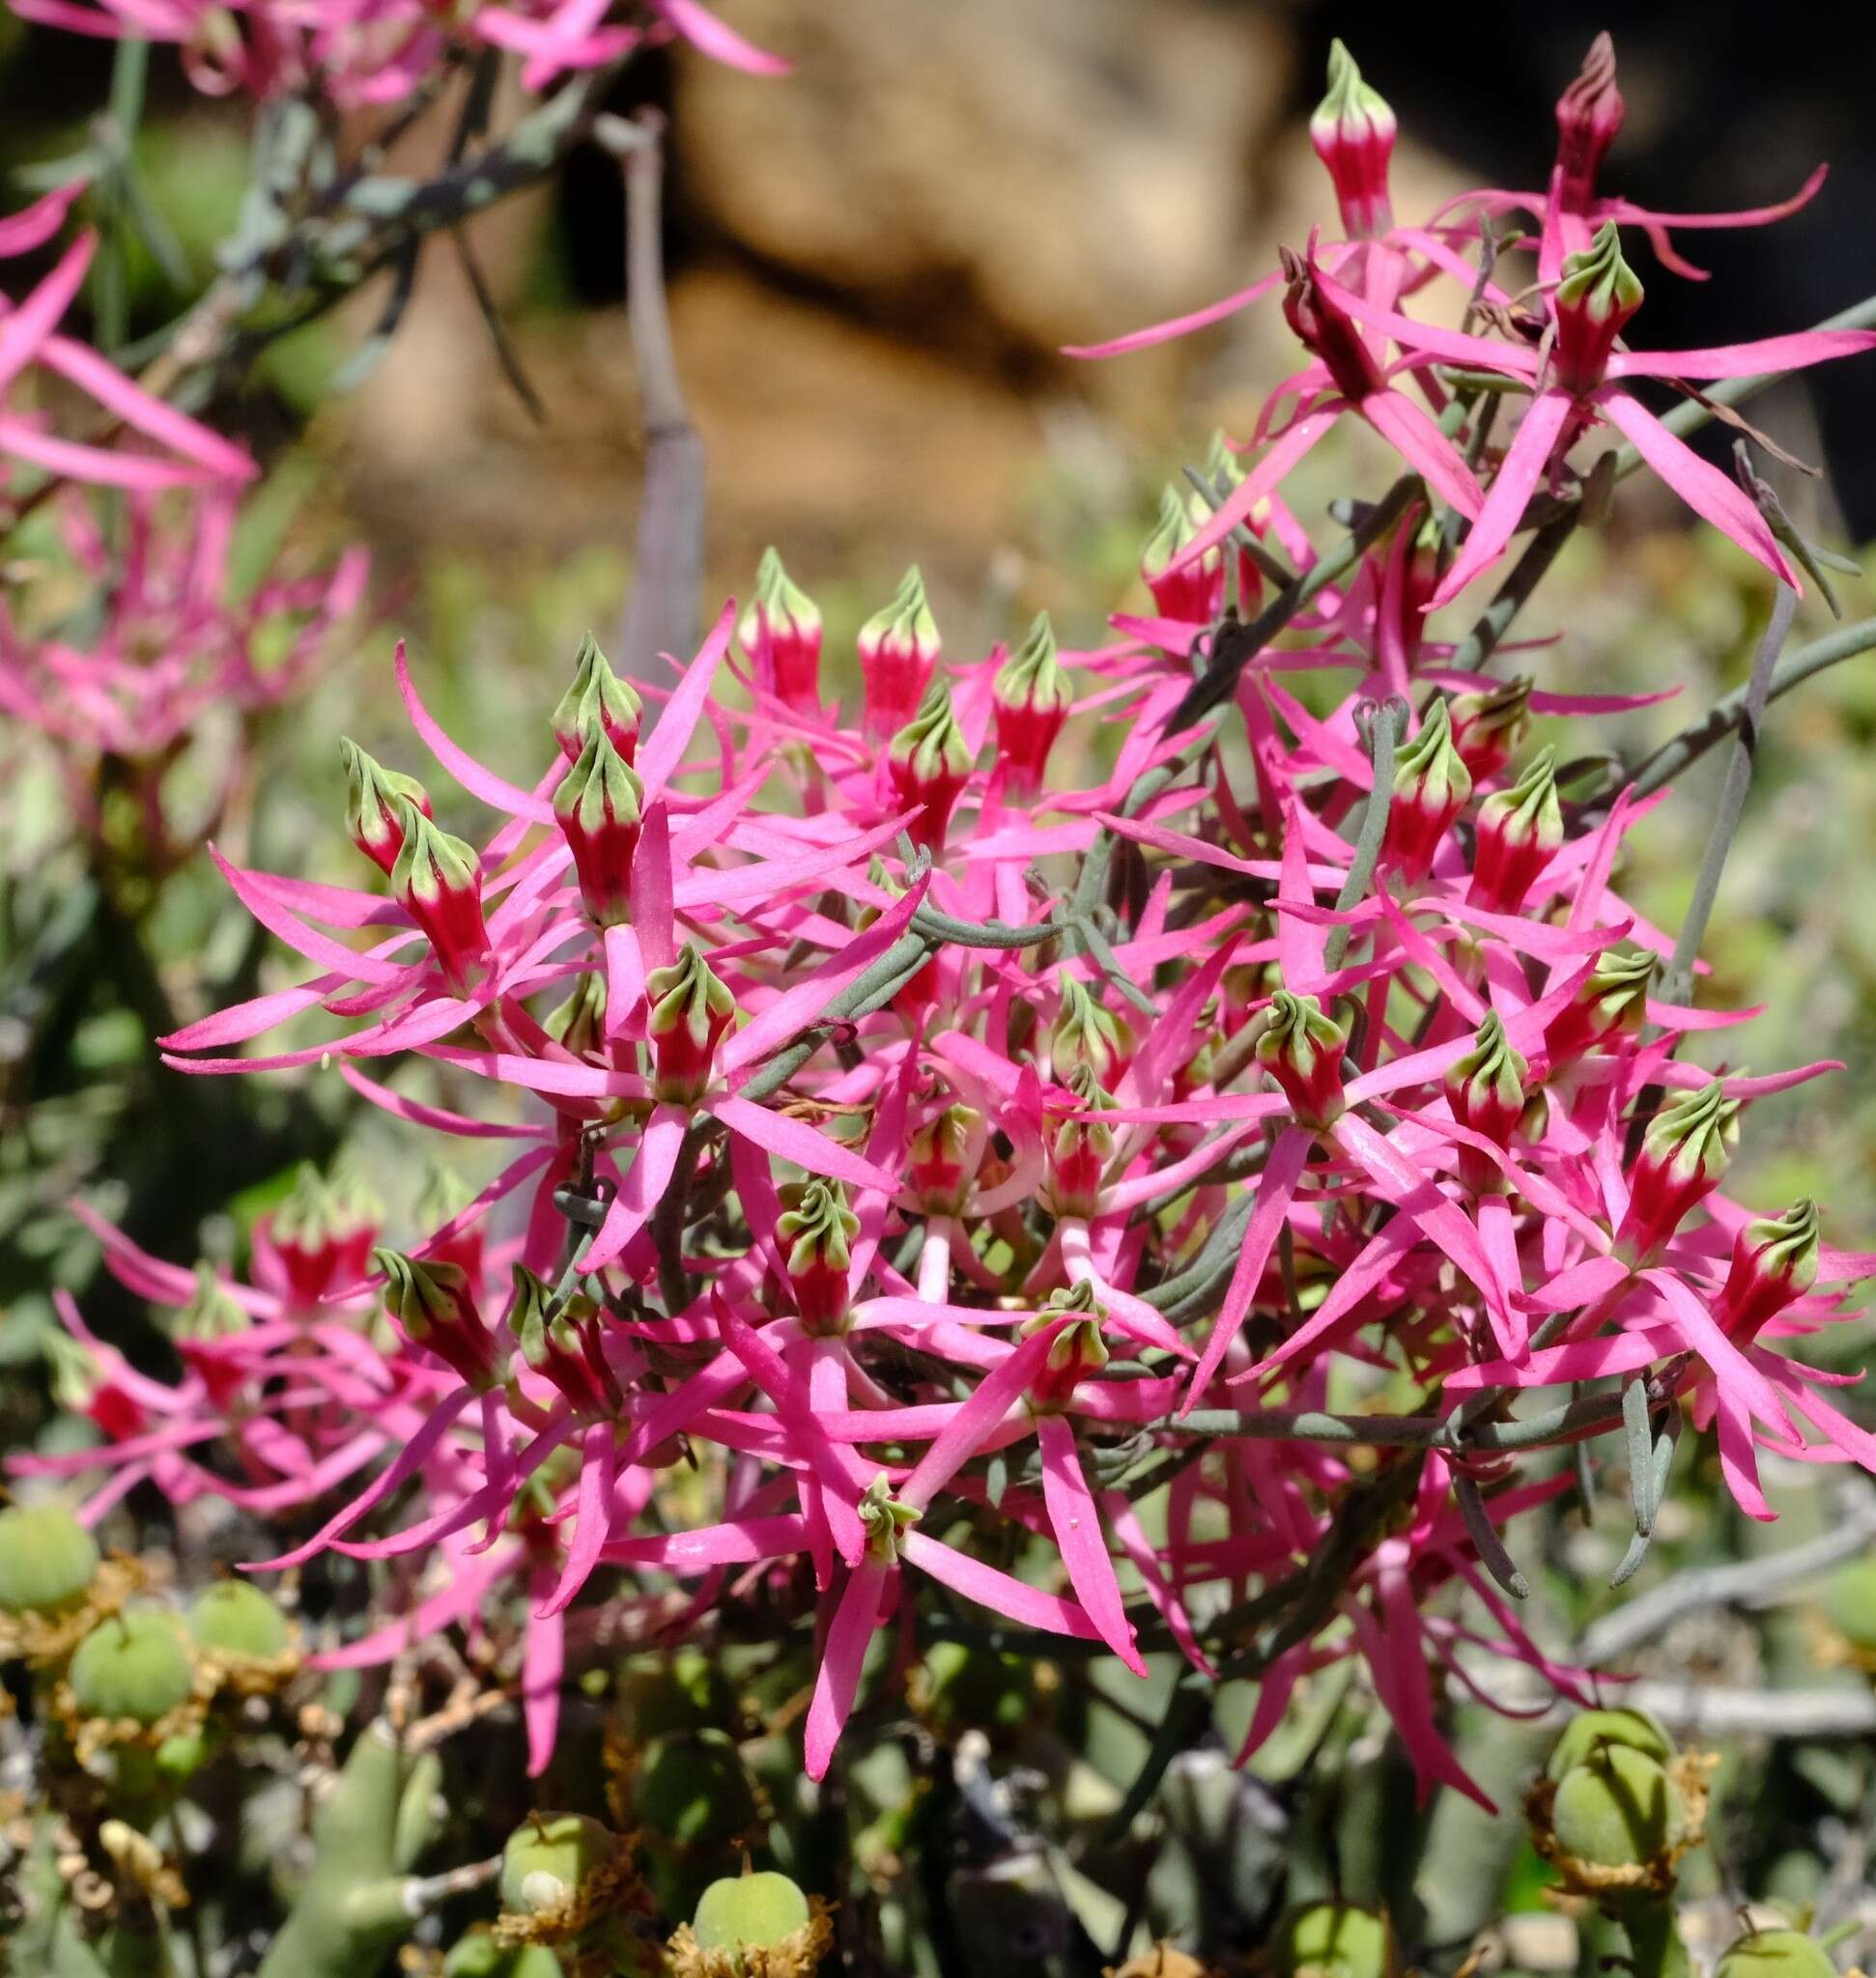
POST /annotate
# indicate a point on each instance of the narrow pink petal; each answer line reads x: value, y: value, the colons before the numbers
x: 1511, y: 490
x: 1177, y: 326
x: 794, y: 1140
x: 591, y: 1524
x: 705, y: 31
x: 543, y: 1663
x: 1423, y: 339
x: 478, y: 781
x: 1767, y: 354
x: 21, y: 232
x: 1704, y: 489
x: 161, y: 422
x: 997, y: 1393
x: 1275, y: 1186
x: 459, y: 1599
x: 644, y: 1187
x: 653, y: 895
x: 1001, y: 1592
x: 738, y: 1542
x: 1425, y: 448
x: 1276, y: 461
x: 837, y: 1682
x: 660, y: 755
x: 1076, y: 1522
x: 26, y: 328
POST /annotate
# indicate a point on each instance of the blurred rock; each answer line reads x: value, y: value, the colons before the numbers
x: 1035, y: 172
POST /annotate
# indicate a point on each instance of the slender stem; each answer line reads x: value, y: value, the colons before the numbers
x: 1384, y: 734
x: 1677, y: 986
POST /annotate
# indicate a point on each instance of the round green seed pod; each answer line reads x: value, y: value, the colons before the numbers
x: 1335, y: 1940
x: 48, y: 1559
x: 135, y: 1665
x: 1618, y: 1809
x: 693, y: 1790
x: 237, y: 1618
x: 749, y: 1912
x: 546, y: 1859
x: 1590, y: 1730
x: 1775, y: 1954
x: 1851, y: 1601
x: 183, y: 1755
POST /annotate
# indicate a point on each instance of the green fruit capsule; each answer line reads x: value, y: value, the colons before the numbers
x: 1335, y: 1940
x: 237, y: 1618
x: 48, y: 1559
x: 1775, y: 1954
x: 549, y: 1858
x: 1591, y: 1731
x: 745, y: 1912
x: 1618, y: 1809
x: 135, y: 1665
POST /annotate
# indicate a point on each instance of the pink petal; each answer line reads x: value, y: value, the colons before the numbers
x: 1511, y: 489
x: 837, y: 1682
x: 1076, y: 1522
x: 477, y: 781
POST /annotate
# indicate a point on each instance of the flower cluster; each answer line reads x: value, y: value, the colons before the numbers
x: 367, y: 51
x: 1148, y: 1195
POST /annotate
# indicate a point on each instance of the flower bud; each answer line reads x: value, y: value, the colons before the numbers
x: 1188, y: 593
x: 445, y: 1196
x: 355, y: 1215
x: 1486, y: 1088
x: 48, y: 1559
x: 1222, y: 472
x: 898, y: 648
x: 235, y: 1617
x: 1327, y: 331
x: 597, y: 695
x: 302, y: 1232
x: 689, y: 1010
x: 1490, y: 729
x: 1612, y: 1004
x: 941, y: 1157
x: 1775, y: 1954
x: 1077, y: 1353
x: 693, y: 1789
x: 90, y: 1384
x: 780, y: 632
x: 1518, y: 832
x: 1430, y: 786
x: 579, y: 1024
x: 372, y: 794
x: 1079, y: 1149
x: 1030, y: 699
x: 1775, y: 1263
x: 1589, y: 114
x: 211, y: 1316
x: 135, y: 1667
x: 1084, y: 1034
x: 816, y: 1234
x: 1336, y: 1941
x: 754, y: 1922
x: 1353, y: 131
x: 929, y: 764
x: 1598, y: 294
x: 439, y: 883
x: 1684, y: 1153
x: 565, y: 1346
x: 433, y: 1305
x: 599, y: 804
x: 884, y: 1518
x: 549, y: 1859
x: 1302, y: 1049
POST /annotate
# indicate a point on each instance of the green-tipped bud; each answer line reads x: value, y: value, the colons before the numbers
x: 1187, y: 592
x: 1353, y: 131
x: 1595, y: 299
x: 1030, y: 698
x: 236, y: 1617
x: 689, y: 1010
x: 885, y: 1519
x: 1077, y: 1353
x: 598, y: 696
x: 1302, y: 1049
x: 210, y: 1313
x: 1087, y: 1034
x: 372, y: 796
x: 898, y: 648
x: 579, y: 1024
x: 439, y: 883
x: 1685, y: 1151
x: 780, y: 632
x: 1774, y: 1261
x: 1079, y: 1149
x: 1430, y: 786
x: 1519, y: 830
x: 928, y: 763
x: 1613, y: 1003
x: 816, y: 1234
x: 1486, y: 1088
x: 48, y: 1559
x: 134, y: 1667
x: 598, y: 803
x: 431, y: 1301
x: 1490, y: 726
